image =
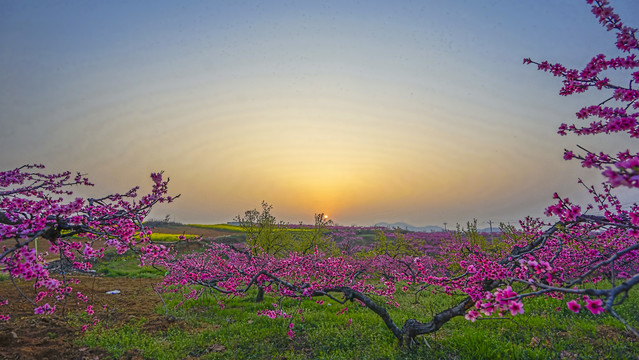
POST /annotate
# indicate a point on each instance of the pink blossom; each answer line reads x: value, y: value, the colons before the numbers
x: 573, y: 306
x: 471, y: 315
x: 595, y: 306
x: 516, y: 307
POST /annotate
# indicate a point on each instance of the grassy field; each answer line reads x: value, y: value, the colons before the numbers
x: 161, y: 237
x: 547, y: 330
x: 135, y: 325
x: 221, y: 227
x: 126, y: 266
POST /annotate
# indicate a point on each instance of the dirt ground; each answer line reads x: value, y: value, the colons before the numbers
x: 42, y: 337
x: 29, y: 336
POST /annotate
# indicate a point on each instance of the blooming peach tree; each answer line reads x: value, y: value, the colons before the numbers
x: 564, y: 260
x: 35, y: 204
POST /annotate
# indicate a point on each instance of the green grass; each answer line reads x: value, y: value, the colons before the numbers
x: 161, y: 237
x: 126, y: 266
x: 209, y: 332
x: 231, y: 239
x: 221, y: 227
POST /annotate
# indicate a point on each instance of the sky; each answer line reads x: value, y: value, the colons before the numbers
x: 367, y: 111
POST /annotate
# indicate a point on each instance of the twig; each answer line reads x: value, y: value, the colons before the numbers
x: 20, y: 291
x: 166, y: 313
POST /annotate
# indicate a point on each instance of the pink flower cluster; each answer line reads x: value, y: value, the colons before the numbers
x: 2, y: 316
x: 44, y: 309
x: 33, y: 206
x: 595, y: 306
x: 273, y: 314
x: 499, y: 301
x: 563, y: 209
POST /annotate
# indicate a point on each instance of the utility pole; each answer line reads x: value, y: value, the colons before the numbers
x: 445, y: 226
x: 490, y: 222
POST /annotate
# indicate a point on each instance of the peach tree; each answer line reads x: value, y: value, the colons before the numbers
x: 566, y: 259
x: 38, y: 205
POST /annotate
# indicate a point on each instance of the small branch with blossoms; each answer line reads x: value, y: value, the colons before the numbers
x: 595, y: 306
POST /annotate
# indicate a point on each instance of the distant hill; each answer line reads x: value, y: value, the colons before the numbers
x: 409, y: 227
x: 429, y: 228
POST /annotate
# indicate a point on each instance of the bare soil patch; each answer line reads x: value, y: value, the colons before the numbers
x: 29, y: 336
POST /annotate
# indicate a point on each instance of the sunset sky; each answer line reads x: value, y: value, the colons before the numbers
x: 416, y: 111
